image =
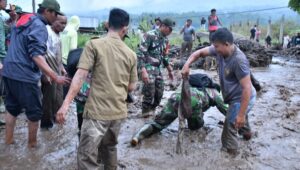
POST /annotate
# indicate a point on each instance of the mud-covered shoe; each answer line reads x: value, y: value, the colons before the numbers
x: 232, y: 152
x: 134, y: 142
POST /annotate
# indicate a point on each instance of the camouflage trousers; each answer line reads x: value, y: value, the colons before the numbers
x: 153, y: 93
x: 97, y: 147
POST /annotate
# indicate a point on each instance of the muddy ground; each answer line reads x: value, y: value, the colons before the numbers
x: 275, y: 121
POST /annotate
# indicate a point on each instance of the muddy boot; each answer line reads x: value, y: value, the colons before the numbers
x: 232, y: 152
x: 145, y: 131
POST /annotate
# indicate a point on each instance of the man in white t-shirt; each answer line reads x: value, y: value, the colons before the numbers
x: 286, y: 40
x: 53, y: 92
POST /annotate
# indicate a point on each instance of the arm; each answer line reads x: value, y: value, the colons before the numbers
x: 209, y: 20
x: 171, y: 76
x: 131, y: 87
x: 42, y: 64
x: 142, y: 53
x: 166, y: 63
x: 181, y: 31
x: 219, y: 102
x: 86, y: 62
x: 133, y: 77
x: 63, y: 70
x: 194, y: 35
x: 219, y: 21
x: 194, y: 57
x: 77, y: 82
x: 246, y: 94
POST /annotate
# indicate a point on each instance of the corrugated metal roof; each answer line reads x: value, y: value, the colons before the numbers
x: 89, y: 22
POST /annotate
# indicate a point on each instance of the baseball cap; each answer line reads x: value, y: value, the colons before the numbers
x: 169, y: 23
x: 51, y: 4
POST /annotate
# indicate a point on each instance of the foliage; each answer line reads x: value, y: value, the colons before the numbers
x: 82, y: 39
x: 145, y: 25
x: 295, y: 5
x: 133, y: 41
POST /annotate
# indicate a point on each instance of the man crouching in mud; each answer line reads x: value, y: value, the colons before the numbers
x: 202, y: 98
x: 236, y: 86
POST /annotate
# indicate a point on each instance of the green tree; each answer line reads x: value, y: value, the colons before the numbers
x: 295, y: 5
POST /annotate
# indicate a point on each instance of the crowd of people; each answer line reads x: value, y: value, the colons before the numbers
x: 39, y: 62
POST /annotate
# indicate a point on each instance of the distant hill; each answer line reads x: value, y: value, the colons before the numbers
x: 234, y: 17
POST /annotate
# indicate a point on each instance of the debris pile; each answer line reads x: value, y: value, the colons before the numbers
x: 257, y: 54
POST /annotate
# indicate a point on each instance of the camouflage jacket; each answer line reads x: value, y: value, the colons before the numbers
x: 153, y: 45
x: 201, y: 101
x: 84, y: 90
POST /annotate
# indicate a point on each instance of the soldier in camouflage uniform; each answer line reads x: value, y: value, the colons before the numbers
x: 152, y: 53
x: 201, y: 100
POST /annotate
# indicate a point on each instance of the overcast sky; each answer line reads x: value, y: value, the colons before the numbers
x: 139, y: 6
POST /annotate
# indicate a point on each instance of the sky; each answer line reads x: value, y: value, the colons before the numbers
x: 140, y: 6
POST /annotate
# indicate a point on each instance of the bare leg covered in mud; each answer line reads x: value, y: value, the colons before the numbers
x: 9, y: 128
x: 32, y: 133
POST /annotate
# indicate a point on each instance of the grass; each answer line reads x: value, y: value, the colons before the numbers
x: 83, y: 38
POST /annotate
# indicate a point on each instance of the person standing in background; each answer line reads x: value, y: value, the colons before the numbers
x: 203, y: 24
x: 189, y: 37
x: 213, y: 21
x: 69, y: 38
x: 69, y: 41
x: 257, y: 34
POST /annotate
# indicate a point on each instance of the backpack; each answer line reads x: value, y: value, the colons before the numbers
x: 72, y: 62
x: 202, y: 81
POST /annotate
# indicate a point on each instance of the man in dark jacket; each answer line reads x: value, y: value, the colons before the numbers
x: 22, y: 69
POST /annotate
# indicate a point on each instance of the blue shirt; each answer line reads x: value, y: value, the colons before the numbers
x: 28, y: 39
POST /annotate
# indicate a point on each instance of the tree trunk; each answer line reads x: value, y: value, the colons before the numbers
x: 281, y: 30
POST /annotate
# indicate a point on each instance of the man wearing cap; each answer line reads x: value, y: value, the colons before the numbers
x: 152, y: 53
x: 22, y: 69
x: 14, y: 13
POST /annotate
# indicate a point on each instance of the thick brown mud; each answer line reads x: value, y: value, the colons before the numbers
x: 275, y: 121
